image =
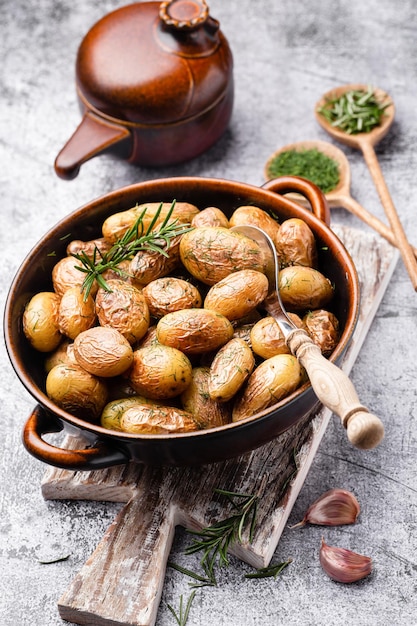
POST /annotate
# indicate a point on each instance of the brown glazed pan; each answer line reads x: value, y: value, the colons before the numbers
x: 106, y: 448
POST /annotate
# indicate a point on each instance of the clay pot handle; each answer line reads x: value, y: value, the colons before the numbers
x: 295, y: 184
x: 40, y: 423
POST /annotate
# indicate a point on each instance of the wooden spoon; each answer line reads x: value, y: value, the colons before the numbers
x: 340, y: 196
x: 366, y: 142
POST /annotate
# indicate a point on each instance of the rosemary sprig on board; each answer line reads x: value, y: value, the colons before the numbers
x: 269, y: 571
x: 133, y: 241
x: 215, y: 541
x: 355, y: 111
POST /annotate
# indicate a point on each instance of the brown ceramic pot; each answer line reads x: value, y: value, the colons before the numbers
x: 108, y: 447
x: 155, y: 85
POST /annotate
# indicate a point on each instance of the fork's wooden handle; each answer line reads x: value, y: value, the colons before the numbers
x: 336, y: 391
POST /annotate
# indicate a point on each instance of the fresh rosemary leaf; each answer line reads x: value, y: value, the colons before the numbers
x: 182, y: 617
x: 203, y: 580
x: 271, y: 570
x: 355, y: 111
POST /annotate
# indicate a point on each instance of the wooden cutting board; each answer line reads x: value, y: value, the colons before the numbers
x: 121, y: 583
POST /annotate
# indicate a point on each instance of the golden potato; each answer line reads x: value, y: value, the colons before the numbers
x: 40, y: 321
x: 296, y: 244
x: 238, y: 294
x: 270, y: 382
x: 76, y: 391
x: 89, y: 248
x: 103, y: 351
x: 212, y: 253
x: 230, y: 368
x: 323, y: 328
x: 207, y: 412
x: 149, y: 265
x: 113, y: 411
x: 63, y: 355
x: 255, y: 216
x: 76, y: 312
x: 266, y: 338
x: 165, y: 295
x: 210, y: 216
x: 156, y: 420
x: 303, y: 288
x: 123, y: 307
x: 194, y: 331
x: 65, y: 275
x: 148, y: 339
x: 160, y: 372
x: 115, y: 226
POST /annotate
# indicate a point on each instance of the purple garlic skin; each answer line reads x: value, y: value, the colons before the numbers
x: 335, y: 507
x: 342, y: 565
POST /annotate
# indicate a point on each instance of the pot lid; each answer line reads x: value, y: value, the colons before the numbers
x: 154, y: 63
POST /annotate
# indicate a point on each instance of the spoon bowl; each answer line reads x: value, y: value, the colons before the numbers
x: 339, y: 196
x: 331, y: 385
x: 365, y: 142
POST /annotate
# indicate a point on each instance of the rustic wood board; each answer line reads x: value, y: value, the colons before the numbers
x: 121, y: 583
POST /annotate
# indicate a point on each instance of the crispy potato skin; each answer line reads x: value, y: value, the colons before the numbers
x: 206, y: 411
x: 210, y: 216
x: 77, y: 391
x: 41, y: 321
x: 304, y: 288
x: 194, y: 331
x: 266, y: 338
x: 323, y: 328
x: 270, y: 382
x: 160, y: 372
x: 229, y: 370
x: 169, y: 294
x: 238, y: 294
x: 103, y: 351
x: 76, y: 312
x: 114, y: 410
x: 296, y: 244
x: 149, y: 265
x: 124, y: 307
x: 255, y: 216
x: 156, y: 420
x: 65, y: 275
x: 212, y: 253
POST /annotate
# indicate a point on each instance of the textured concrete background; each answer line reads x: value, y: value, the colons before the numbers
x: 286, y: 55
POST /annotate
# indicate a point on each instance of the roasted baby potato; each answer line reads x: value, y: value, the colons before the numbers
x: 266, y: 338
x: 238, y: 294
x: 206, y: 411
x: 304, y: 288
x: 63, y: 355
x: 124, y: 307
x: 229, y: 369
x: 212, y: 253
x: 296, y: 244
x: 270, y: 382
x: 160, y: 371
x: 103, y: 351
x: 65, y: 275
x: 323, y: 328
x: 149, y: 265
x: 76, y: 391
x: 41, y: 321
x: 113, y: 411
x: 156, y: 420
x: 89, y: 248
x: 165, y: 295
x: 255, y: 216
x: 76, y: 312
x: 210, y: 216
x: 194, y: 331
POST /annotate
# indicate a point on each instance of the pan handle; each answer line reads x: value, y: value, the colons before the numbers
x: 39, y: 423
x: 296, y: 184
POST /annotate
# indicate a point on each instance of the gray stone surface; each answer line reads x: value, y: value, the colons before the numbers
x: 286, y: 55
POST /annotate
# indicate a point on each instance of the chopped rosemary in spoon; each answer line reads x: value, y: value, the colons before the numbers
x: 355, y: 111
x: 124, y: 249
x: 311, y: 164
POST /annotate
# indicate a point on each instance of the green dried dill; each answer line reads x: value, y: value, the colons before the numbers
x: 311, y: 164
x: 355, y: 111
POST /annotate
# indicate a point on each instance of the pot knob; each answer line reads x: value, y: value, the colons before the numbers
x: 184, y: 14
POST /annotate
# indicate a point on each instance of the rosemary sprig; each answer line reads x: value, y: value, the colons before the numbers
x: 355, y: 111
x: 269, y: 571
x: 216, y: 540
x: 134, y: 240
x: 182, y: 617
x: 202, y: 581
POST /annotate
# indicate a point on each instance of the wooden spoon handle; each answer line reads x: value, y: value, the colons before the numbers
x: 403, y: 244
x: 336, y: 391
x: 356, y: 209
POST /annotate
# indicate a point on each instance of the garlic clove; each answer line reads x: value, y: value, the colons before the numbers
x: 342, y: 565
x: 336, y: 507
